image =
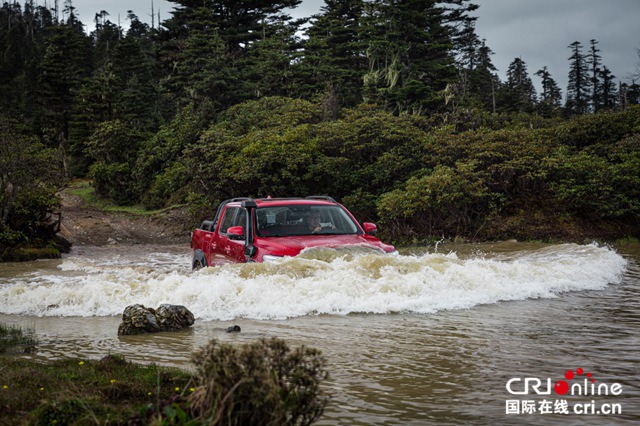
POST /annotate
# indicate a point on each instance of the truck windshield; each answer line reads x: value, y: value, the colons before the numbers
x: 279, y: 221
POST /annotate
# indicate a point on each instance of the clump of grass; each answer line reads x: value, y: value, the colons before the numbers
x: 263, y: 383
x: 260, y: 383
x: 14, y: 340
x: 74, y: 391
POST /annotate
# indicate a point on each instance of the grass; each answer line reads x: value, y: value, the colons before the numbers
x: 260, y: 383
x: 77, y: 391
x: 13, y: 339
x: 84, y: 189
x: 25, y: 254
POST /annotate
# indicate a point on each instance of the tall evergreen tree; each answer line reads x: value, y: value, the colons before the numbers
x: 134, y: 70
x: 267, y: 65
x: 551, y: 96
x: 410, y: 49
x: 518, y: 93
x: 633, y: 93
x: 105, y: 37
x: 608, y: 91
x: 21, y: 44
x: 484, y: 82
x: 200, y: 70
x: 67, y: 61
x: 240, y: 25
x: 334, y: 53
x: 579, y: 83
x: 595, y: 61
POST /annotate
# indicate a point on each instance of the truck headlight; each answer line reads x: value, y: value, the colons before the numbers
x: 268, y: 258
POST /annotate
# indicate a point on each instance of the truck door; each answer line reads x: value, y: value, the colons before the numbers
x: 225, y: 249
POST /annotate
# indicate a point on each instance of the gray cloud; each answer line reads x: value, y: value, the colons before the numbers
x: 539, y: 32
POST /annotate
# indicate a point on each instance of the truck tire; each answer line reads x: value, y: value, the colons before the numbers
x: 197, y: 265
x: 198, y: 261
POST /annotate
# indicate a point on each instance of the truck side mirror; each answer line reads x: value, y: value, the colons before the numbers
x: 370, y: 228
x: 235, y: 232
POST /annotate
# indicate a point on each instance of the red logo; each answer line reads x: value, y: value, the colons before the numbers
x: 562, y: 387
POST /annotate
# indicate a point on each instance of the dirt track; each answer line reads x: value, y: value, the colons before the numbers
x: 86, y: 225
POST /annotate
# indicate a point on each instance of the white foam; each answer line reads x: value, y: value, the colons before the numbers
x: 368, y: 283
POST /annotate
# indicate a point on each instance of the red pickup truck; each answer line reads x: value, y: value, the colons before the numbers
x: 267, y: 229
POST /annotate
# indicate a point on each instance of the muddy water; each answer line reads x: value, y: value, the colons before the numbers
x: 423, y: 338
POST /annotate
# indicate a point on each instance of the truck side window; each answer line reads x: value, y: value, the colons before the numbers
x: 227, y: 220
x: 233, y: 216
x: 241, y: 218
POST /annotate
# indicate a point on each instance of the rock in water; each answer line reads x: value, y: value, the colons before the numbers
x: 174, y: 317
x: 137, y: 319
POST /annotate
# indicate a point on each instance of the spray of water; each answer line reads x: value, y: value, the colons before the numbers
x: 317, y: 282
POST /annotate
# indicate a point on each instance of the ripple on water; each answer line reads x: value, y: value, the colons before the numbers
x: 423, y: 339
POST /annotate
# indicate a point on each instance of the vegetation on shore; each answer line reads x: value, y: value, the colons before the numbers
x: 264, y: 382
x: 489, y: 177
x: 14, y: 340
x: 395, y: 109
x: 84, y: 189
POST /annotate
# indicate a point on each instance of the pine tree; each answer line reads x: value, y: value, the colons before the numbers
x: 105, y: 37
x: 133, y: 68
x: 484, y: 82
x: 579, y: 85
x: 633, y: 93
x: 410, y: 49
x: 21, y: 44
x: 595, y: 61
x: 66, y: 62
x: 268, y: 67
x: 518, y: 93
x: 200, y: 71
x: 240, y: 25
x: 551, y: 96
x: 333, y: 53
x: 608, y: 93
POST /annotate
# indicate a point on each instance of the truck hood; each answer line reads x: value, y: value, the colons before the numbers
x: 293, y: 245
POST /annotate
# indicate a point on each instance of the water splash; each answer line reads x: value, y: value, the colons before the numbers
x: 102, y: 283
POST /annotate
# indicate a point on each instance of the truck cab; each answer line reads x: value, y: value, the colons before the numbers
x: 268, y: 229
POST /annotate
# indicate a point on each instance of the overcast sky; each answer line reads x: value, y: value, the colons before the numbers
x: 538, y: 31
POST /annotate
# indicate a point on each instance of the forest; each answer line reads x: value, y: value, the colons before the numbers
x: 393, y: 108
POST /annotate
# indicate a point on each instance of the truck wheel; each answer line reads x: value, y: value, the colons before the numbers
x: 197, y: 265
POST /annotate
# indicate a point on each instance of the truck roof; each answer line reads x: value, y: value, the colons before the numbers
x: 262, y: 202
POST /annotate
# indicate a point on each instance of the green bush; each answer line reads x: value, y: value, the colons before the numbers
x: 263, y: 383
x: 155, y: 172
x: 169, y: 187
x: 372, y: 161
x: 591, y: 186
x: 605, y: 128
x: 30, y: 177
x: 446, y: 202
x: 270, y: 113
x: 113, y: 181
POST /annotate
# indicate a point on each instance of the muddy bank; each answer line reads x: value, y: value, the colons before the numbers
x: 83, y: 224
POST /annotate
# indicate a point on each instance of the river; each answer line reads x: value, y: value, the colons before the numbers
x: 456, y: 334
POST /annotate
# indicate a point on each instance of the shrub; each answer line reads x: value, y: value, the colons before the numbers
x: 445, y: 201
x: 113, y: 181
x: 263, y: 383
